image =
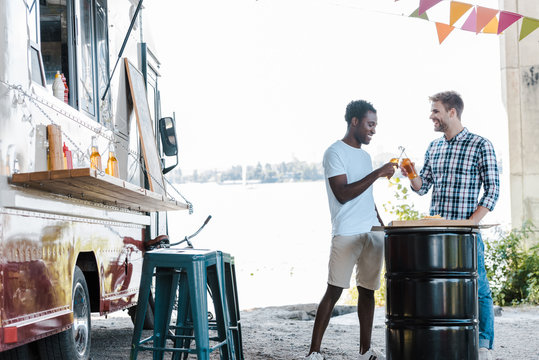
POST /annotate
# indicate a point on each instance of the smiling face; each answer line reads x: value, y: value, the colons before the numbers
x: 364, y: 129
x: 440, y: 117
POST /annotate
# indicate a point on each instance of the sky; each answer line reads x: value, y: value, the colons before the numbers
x: 269, y: 80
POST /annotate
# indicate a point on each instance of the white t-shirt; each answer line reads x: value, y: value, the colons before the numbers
x: 357, y: 215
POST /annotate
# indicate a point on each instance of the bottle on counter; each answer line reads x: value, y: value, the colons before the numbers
x: 58, y: 87
x: 66, y: 89
x: 41, y: 159
x: 56, y: 156
x: 112, y: 163
x: 68, y: 160
x: 95, y: 158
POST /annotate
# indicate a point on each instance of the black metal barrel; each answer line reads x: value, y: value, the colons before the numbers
x: 431, y: 280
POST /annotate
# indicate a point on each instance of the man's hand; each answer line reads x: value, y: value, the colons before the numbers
x: 415, y: 182
x: 479, y: 214
x: 386, y: 170
x: 403, y: 170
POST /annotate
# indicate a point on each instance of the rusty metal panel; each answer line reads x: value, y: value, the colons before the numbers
x: 38, y: 253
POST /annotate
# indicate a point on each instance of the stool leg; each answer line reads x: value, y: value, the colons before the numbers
x: 220, y: 311
x: 220, y: 302
x: 196, y: 275
x: 233, y: 306
x: 166, y: 283
x: 142, y: 304
x: 183, y: 318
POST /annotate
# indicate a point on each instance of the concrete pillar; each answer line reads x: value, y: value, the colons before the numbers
x: 520, y: 89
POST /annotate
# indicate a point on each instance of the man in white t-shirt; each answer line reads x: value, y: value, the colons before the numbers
x: 349, y: 178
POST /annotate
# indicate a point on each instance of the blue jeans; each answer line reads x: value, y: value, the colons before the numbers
x: 486, y: 310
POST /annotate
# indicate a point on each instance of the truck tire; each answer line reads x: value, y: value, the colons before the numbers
x: 148, y: 318
x: 23, y: 352
x: 74, y: 343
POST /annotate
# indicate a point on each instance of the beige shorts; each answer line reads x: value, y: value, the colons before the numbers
x: 365, y: 251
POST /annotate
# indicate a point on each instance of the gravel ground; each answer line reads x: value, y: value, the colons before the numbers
x: 284, y: 333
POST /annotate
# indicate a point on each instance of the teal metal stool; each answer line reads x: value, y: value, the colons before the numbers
x: 191, y: 273
x: 184, y: 326
x: 233, y: 305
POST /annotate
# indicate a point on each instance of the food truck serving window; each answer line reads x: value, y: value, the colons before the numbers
x: 74, y: 41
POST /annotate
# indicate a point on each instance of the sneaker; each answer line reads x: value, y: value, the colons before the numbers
x: 485, y: 354
x: 314, y: 356
x: 372, y: 354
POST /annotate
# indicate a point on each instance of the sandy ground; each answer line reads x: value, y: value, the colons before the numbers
x: 285, y: 332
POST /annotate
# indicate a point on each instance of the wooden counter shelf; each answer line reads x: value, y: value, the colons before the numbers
x: 89, y: 184
x: 432, y: 223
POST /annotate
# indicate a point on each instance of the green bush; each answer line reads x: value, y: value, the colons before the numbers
x: 512, y: 268
x: 400, y: 207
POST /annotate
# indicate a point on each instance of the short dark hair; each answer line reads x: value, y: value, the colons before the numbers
x: 450, y: 100
x: 358, y: 109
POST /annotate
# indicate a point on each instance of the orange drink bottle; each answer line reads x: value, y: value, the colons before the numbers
x: 112, y: 163
x: 407, y: 165
x: 395, y: 163
x: 95, y: 158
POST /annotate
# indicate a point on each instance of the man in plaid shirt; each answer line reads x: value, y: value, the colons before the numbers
x: 456, y: 166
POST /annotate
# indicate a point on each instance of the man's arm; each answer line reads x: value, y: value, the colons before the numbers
x: 479, y: 214
x: 416, y: 183
x: 345, y: 192
x: 488, y: 170
x: 423, y: 182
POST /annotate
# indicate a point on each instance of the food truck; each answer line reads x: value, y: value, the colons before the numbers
x: 83, y: 152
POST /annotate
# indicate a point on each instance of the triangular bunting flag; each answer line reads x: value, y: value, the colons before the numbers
x: 416, y: 15
x: 492, y: 26
x: 484, y: 15
x: 470, y: 22
x: 443, y: 30
x: 507, y: 19
x: 528, y: 26
x: 424, y: 5
x: 457, y: 10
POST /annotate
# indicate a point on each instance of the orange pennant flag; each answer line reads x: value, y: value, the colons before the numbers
x: 492, y: 26
x: 484, y: 15
x: 443, y: 31
x: 456, y: 11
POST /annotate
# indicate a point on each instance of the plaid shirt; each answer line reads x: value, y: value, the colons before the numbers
x: 457, y: 168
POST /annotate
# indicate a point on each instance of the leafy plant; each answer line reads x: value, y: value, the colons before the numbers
x: 512, y: 267
x: 400, y: 207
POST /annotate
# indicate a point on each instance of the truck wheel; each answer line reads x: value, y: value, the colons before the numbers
x: 148, y: 319
x: 74, y: 343
x: 23, y: 352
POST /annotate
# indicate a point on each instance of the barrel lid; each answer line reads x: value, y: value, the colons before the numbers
x: 426, y: 229
x: 432, y: 223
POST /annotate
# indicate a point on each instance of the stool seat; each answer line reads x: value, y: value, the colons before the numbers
x: 190, y: 273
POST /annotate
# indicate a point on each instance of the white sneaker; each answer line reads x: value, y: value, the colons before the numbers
x: 372, y: 354
x: 315, y: 356
x: 485, y: 354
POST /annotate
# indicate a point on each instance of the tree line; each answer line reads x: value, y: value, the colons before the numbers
x: 268, y: 173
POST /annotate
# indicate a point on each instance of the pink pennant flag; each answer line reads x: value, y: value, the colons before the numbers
x: 424, y: 5
x: 507, y: 19
x: 470, y: 23
x: 484, y: 15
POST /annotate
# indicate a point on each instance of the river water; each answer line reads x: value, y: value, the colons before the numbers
x: 279, y: 234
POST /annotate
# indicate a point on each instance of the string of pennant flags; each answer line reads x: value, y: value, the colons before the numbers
x: 480, y: 20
